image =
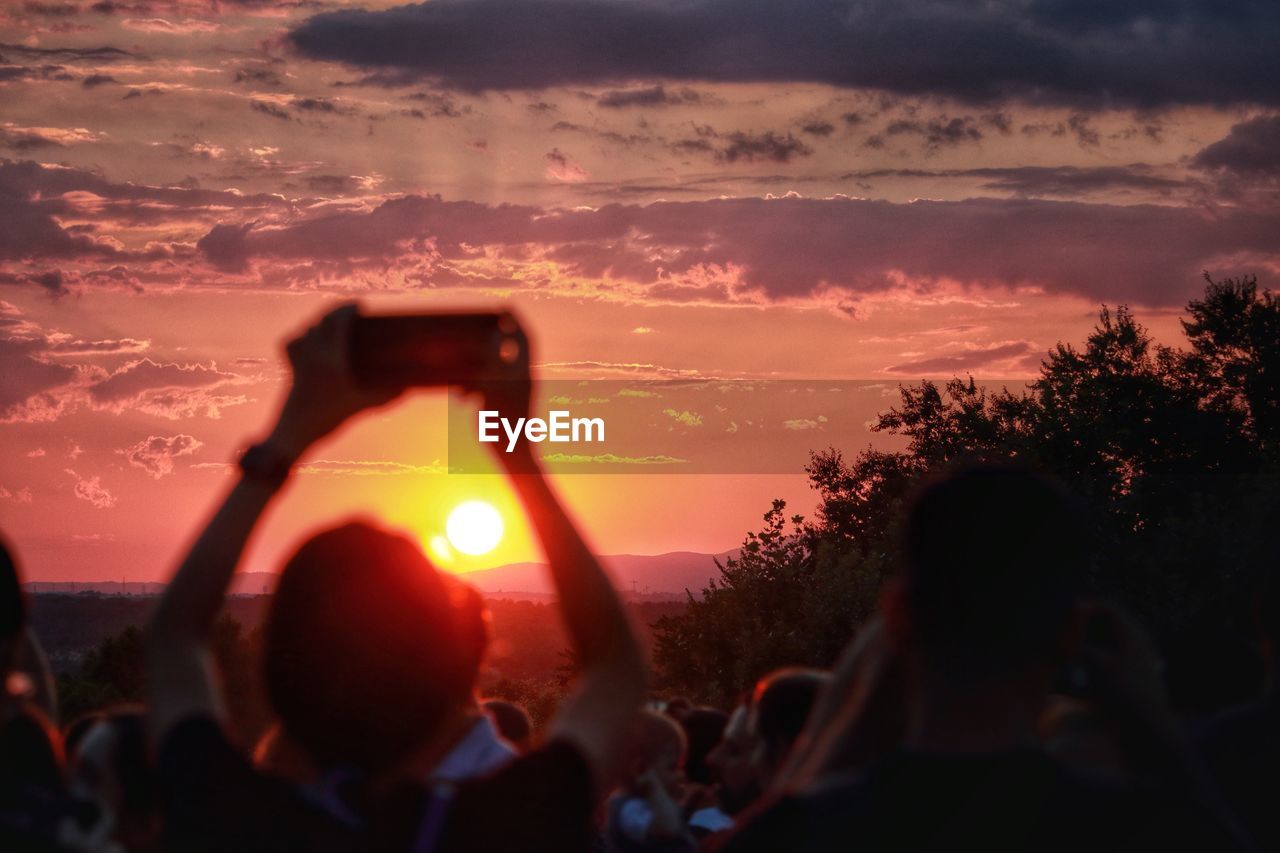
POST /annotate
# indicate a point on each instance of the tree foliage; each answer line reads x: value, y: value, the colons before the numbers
x: 1174, y: 449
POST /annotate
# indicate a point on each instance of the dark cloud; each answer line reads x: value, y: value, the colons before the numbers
x: 1138, y: 53
x: 319, y: 105
x: 652, y: 96
x: 769, y: 146
x: 938, y: 132
x: 271, y: 110
x: 50, y: 10
x: 966, y: 360
x: 1251, y: 148
x: 28, y: 379
x: 74, y: 54
x: 35, y: 72
x: 1085, y: 132
x: 440, y: 105
x: 98, y: 80
x: 258, y: 76
x: 796, y: 248
x: 338, y: 184
x: 34, y: 197
x: 819, y: 128
x: 1071, y: 181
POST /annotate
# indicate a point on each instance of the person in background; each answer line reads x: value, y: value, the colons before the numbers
x: 645, y: 815
x: 703, y: 729
x: 985, y: 613
x: 110, y: 766
x: 367, y: 668
x: 478, y: 749
x: 676, y: 707
x: 733, y: 763
x: 1242, y: 744
x: 33, y: 802
x: 512, y: 722
x: 781, y: 705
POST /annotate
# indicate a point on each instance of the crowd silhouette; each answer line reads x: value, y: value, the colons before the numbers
x: 991, y: 704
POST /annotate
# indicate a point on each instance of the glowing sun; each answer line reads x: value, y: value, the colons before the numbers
x: 474, y: 527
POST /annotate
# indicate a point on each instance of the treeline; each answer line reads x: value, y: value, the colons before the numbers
x: 96, y: 648
x: 1174, y: 448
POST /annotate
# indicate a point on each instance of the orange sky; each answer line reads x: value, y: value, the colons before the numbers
x: 183, y: 183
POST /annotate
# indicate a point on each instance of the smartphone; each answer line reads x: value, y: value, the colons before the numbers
x: 407, y: 350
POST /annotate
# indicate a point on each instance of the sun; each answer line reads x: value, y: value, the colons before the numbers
x: 474, y: 527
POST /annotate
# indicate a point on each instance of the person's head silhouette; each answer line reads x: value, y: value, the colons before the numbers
x: 367, y: 652
x: 13, y: 610
x: 993, y: 561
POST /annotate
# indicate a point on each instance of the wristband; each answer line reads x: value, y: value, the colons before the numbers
x: 265, y: 462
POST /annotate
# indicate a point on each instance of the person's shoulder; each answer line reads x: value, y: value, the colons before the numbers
x: 195, y: 740
x: 793, y: 821
x: 540, y: 801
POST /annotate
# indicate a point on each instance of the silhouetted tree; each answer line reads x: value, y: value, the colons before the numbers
x: 1175, y: 450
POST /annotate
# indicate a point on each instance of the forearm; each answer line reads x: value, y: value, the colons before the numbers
x: 597, y: 623
x: 191, y: 601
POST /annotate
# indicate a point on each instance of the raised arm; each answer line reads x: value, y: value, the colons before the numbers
x: 598, y: 714
x: 321, y: 397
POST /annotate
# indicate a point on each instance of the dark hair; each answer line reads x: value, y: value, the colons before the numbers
x: 31, y: 750
x: 783, y: 700
x: 13, y: 604
x: 703, y: 728
x: 510, y: 719
x: 364, y: 656
x: 139, y: 785
x: 994, y: 558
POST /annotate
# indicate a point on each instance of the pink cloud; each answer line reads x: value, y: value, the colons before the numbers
x: 155, y: 454
x: 91, y: 490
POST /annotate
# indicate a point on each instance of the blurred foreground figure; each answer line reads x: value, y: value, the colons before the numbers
x: 110, y: 767
x: 33, y: 801
x: 936, y: 747
x: 1242, y: 745
x: 370, y: 665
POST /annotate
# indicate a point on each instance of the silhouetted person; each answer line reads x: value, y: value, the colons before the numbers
x: 703, y: 728
x: 370, y: 669
x: 33, y: 801
x: 1242, y: 745
x: 512, y: 723
x: 734, y: 764
x: 781, y: 706
x: 984, y: 615
x: 111, y: 767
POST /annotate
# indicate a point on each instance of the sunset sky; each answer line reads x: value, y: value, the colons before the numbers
x: 703, y: 189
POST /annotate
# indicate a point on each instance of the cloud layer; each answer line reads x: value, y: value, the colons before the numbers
x: 1133, y: 53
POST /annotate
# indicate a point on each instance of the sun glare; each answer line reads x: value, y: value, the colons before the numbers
x: 474, y: 528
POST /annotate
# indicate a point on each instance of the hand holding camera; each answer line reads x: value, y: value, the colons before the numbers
x: 350, y: 362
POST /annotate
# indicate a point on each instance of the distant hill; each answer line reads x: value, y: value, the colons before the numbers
x: 244, y: 583
x: 645, y: 575
x: 653, y: 576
